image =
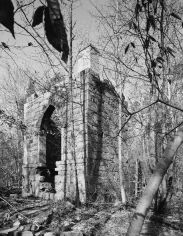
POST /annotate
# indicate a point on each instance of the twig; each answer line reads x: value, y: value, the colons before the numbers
x: 18, y: 211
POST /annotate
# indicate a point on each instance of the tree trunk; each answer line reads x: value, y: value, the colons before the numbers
x: 136, y: 179
x: 122, y: 189
x: 153, y: 185
x: 66, y: 149
x: 77, y: 200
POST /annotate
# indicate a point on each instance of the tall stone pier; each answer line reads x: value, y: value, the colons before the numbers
x: 70, y: 145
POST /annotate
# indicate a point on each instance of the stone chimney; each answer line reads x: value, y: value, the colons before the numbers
x: 88, y: 59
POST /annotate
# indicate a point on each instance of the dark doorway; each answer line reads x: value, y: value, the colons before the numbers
x: 52, y: 137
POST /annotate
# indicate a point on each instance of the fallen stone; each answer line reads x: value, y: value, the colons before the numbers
x: 71, y: 233
x: 40, y: 233
x: 52, y: 196
x: 21, y: 228
x: 50, y: 234
x: 16, y: 223
x: 69, y: 205
x: 27, y: 233
x: 45, y: 185
x: 6, y: 231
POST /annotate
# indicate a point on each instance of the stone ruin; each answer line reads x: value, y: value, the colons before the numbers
x: 71, y: 145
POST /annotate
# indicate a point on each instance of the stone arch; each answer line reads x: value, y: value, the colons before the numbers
x: 49, y: 101
x: 44, y: 109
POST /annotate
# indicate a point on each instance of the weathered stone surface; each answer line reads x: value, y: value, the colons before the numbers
x: 50, y: 234
x: 45, y: 185
x: 95, y: 116
x: 52, y: 196
x: 71, y: 233
x: 27, y: 233
x: 59, y: 195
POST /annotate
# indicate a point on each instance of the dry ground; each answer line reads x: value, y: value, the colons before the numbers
x: 40, y: 216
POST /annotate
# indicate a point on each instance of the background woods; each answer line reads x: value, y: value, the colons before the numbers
x: 126, y: 109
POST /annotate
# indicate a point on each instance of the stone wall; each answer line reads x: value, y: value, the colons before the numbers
x: 33, y: 111
x: 86, y: 128
x: 102, y: 136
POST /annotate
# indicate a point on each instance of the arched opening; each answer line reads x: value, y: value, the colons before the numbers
x: 49, y: 150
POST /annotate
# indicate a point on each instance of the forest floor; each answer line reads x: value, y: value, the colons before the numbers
x: 38, y: 217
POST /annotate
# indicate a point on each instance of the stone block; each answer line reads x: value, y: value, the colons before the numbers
x: 61, y: 172
x: 27, y: 233
x: 45, y: 186
x: 47, y: 196
x: 59, y: 185
x: 71, y: 233
x: 41, y: 193
x: 37, y: 192
x: 58, y: 163
x: 59, y: 196
x: 50, y: 234
x: 60, y: 168
x: 52, y: 196
x: 58, y: 179
x: 58, y: 190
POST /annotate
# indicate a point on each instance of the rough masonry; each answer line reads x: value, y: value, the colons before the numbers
x: 70, y: 146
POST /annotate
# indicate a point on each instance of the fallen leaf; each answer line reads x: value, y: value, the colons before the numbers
x: 7, y: 15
